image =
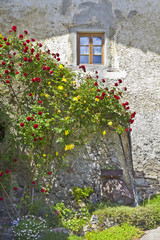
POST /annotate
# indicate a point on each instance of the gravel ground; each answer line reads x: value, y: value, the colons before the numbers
x: 153, y: 234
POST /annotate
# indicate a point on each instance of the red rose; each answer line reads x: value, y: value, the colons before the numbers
x: 35, y: 125
x: 22, y: 124
x: 25, y: 59
x: 0, y: 45
x: 51, y: 72
x: 24, y: 44
x: 20, y: 64
x: 40, y: 44
x: 97, y: 96
x: 1, y: 198
x: 25, y: 31
x: 44, y: 68
x: 15, y: 188
x: 120, y: 81
x: 40, y: 113
x: 96, y: 72
x: 42, y: 190
x: 25, y: 74
x: 37, y: 55
x: 3, y: 63
x: 103, y: 80
x: 14, y: 28
x: 21, y: 36
x: 30, y: 60
x: 58, y: 59
x: 9, y: 56
x: 29, y: 118
x: 38, y: 58
x: 125, y: 89
x: 131, y: 121
x: 0, y: 180
x: 33, y: 182
x: 5, y: 39
x: 33, y: 40
x: 17, y: 72
x: 14, y: 53
x: 98, y: 90
x: 96, y: 84
x: 0, y: 75
x: 40, y: 101
x: 116, y: 84
x: 32, y: 134
x: 1, y: 174
x: 32, y: 50
x: 40, y: 138
x: 130, y: 129
x: 35, y: 139
x: 8, y: 43
x: 57, y: 54
x: 48, y: 68
x: 30, y: 94
x: 6, y: 71
x: 7, y: 81
x: 126, y: 129
x: 27, y: 41
x: 103, y: 94
x: 49, y: 173
x: 15, y: 159
x: 7, y: 171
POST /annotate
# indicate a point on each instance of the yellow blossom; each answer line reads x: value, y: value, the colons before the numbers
x: 110, y: 123
x: 73, y: 82
x: 81, y: 116
x: 42, y: 94
x: 97, y: 99
x: 57, y: 153
x: 60, y: 87
x: 46, y: 215
x: 79, y: 97
x: 44, y: 155
x: 59, y: 111
x: 87, y: 109
x: 61, y: 66
x: 65, y: 95
x: 66, y: 132
x: 49, y: 83
x: 47, y: 95
x: 104, y: 132
x: 33, y: 94
x: 85, y: 101
x: 66, y: 118
x: 75, y: 99
x: 64, y: 80
x: 69, y: 147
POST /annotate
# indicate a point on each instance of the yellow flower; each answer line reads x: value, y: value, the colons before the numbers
x: 79, y: 97
x: 81, y: 116
x: 85, y: 101
x: 65, y: 95
x: 57, y: 153
x: 33, y: 94
x: 69, y: 147
x: 66, y: 132
x: 47, y: 95
x: 64, y: 80
x: 97, y: 99
x: 110, y: 123
x: 46, y: 215
x: 66, y: 118
x: 104, y: 132
x: 73, y: 82
x: 75, y: 99
x: 59, y: 111
x: 87, y: 109
x: 60, y: 87
x: 44, y: 155
x: 42, y: 94
x: 61, y: 66
x: 49, y: 83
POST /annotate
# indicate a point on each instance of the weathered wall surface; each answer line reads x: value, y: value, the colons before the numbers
x: 132, y: 43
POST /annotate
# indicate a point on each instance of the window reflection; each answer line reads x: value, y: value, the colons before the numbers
x: 97, y: 40
x: 84, y: 40
x: 97, y: 59
x: 84, y: 59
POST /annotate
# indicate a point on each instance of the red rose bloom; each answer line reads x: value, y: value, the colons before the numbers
x: 103, y: 80
x: 24, y: 44
x: 126, y: 129
x: 0, y: 180
x: 51, y: 72
x: 40, y: 101
x: 25, y: 74
x: 3, y: 63
x: 40, y: 113
x: 96, y: 84
x: 7, y: 171
x: 8, y: 43
x: 27, y: 41
x: 44, y: 68
x: 57, y: 54
x: 6, y: 71
x: 35, y: 125
x: 33, y: 182
x: 29, y: 118
x: 20, y: 64
x: 120, y: 81
x: 17, y: 72
x: 33, y: 40
x: 5, y: 39
x: 97, y: 96
x: 40, y: 44
x: 35, y: 139
x: 25, y: 59
x: 0, y: 45
x: 42, y: 190
x: 15, y: 188
x: 58, y: 59
x: 7, y: 81
x: 125, y: 89
x: 98, y: 90
x: 32, y: 134
x: 130, y: 129
x: 22, y: 124
x: 1, y: 174
x: 40, y: 138
x: 25, y: 31
x: 30, y: 94
x: 1, y: 198
x: 21, y: 36
x: 14, y: 28
x: 103, y: 94
x: 15, y: 159
x: 49, y: 173
x: 116, y: 84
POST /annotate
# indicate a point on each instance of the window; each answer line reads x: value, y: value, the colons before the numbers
x: 90, y: 48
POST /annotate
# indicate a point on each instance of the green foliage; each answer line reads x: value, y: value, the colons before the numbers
x: 81, y: 194
x: 28, y: 227
x: 59, y: 236
x: 123, y: 232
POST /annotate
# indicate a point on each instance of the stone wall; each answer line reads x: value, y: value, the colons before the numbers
x: 131, y: 48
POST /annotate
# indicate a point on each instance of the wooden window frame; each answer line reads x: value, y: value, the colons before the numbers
x: 90, y: 35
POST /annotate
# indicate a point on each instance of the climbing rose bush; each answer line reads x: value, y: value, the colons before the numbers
x: 49, y: 109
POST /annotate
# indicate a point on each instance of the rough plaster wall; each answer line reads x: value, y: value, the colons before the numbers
x: 132, y: 30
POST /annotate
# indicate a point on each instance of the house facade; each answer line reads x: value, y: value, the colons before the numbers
x: 119, y: 39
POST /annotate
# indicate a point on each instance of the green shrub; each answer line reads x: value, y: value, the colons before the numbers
x: 81, y: 194
x: 123, y: 232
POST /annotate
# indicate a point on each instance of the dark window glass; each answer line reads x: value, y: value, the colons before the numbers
x: 97, y: 59
x: 84, y: 59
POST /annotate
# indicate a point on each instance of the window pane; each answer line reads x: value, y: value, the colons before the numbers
x: 84, y: 40
x: 97, y: 50
x: 97, y: 40
x: 84, y: 59
x: 84, y: 50
x: 97, y: 59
